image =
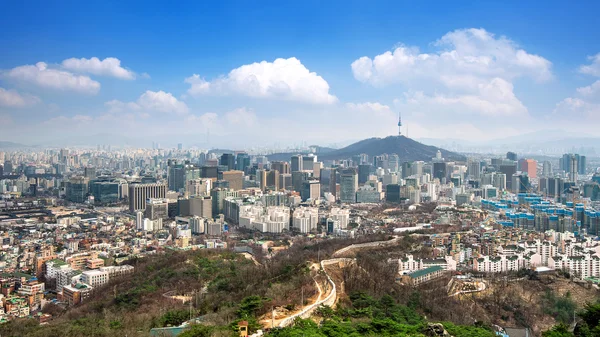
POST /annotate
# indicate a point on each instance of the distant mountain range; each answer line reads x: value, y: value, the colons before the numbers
x: 11, y: 145
x: 407, y: 149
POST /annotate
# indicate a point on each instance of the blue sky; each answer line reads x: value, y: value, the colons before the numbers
x: 491, y: 70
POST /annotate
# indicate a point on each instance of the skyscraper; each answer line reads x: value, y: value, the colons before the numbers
x: 308, y: 162
x: 529, y: 166
x: 364, y: 170
x: 546, y: 168
x: 228, y: 159
x: 311, y: 189
x: 296, y: 163
x: 511, y: 156
x: 348, y: 185
x: 242, y: 161
x: 77, y: 189
x: 394, y: 162
x: 508, y: 169
x: 139, y: 193
x: 281, y: 166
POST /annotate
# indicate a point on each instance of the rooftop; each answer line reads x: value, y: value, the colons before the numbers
x: 425, y: 271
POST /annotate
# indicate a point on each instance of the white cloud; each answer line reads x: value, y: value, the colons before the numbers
x: 590, y: 90
x: 572, y: 108
x: 11, y: 98
x: 110, y: 66
x: 465, y: 58
x: 116, y: 106
x: 285, y: 79
x: 40, y: 75
x: 372, y: 109
x: 593, y: 68
x: 158, y: 101
x: 492, y: 99
x: 241, y: 117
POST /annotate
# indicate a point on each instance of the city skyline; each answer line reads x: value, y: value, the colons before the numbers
x: 247, y: 75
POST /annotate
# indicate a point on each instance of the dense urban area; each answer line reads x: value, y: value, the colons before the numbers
x: 183, y: 241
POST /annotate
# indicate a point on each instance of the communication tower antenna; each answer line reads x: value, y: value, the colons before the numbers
x: 399, y: 124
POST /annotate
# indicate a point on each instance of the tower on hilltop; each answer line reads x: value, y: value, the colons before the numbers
x: 399, y: 124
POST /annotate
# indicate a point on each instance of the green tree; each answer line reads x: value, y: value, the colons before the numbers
x: 561, y: 330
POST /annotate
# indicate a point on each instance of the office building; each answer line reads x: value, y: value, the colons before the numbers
x: 311, y: 190
x: 139, y: 193
x: 546, y: 169
x: 227, y: 160
x: 530, y: 167
x: 508, y: 169
x: 77, y: 189
x: 105, y: 192
x: 308, y: 162
x: 201, y: 206
x: 511, y: 156
x: 296, y: 163
x: 298, y: 177
x: 282, y: 167
x: 392, y: 193
x: 394, y: 162
x: 235, y: 179
x: 364, y: 170
x: 474, y: 169
x: 440, y: 170
x: 242, y: 161
x: 200, y: 186
x: 348, y: 185
x: 156, y: 208
x: 89, y: 172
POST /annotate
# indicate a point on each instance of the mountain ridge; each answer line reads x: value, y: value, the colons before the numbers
x: 406, y: 148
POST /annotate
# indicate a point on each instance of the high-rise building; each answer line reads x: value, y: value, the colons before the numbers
x: 317, y: 166
x: 308, y: 162
x: 573, y: 168
x: 200, y: 186
x: 235, y: 179
x: 364, y: 170
x: 582, y: 164
x: 175, y: 176
x: 156, y: 208
x: 546, y: 169
x: 440, y: 170
x: 508, y: 169
x: 77, y: 189
x: 268, y: 179
x: 311, y: 189
x: 474, y: 169
x: 394, y: 162
x: 406, y: 169
x: 139, y: 193
x: 392, y: 193
x: 242, y: 161
x: 296, y: 163
x: 348, y: 185
x: 201, y: 206
x: 211, y: 172
x: 105, y: 192
x: 228, y: 160
x: 282, y: 167
x: 89, y: 172
x: 529, y: 166
x: 499, y: 181
x: 298, y: 177
x: 8, y: 167
x: 511, y: 156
